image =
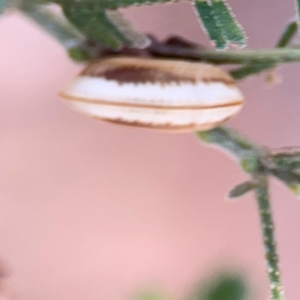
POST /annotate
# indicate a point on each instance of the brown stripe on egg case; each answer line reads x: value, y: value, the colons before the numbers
x: 142, y: 70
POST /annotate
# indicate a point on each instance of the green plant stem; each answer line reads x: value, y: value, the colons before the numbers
x: 232, y: 57
x: 71, y: 39
x: 56, y: 26
x: 229, y: 140
x: 288, y: 34
x: 253, y: 155
x: 67, y: 35
x: 251, y: 69
x: 267, y: 226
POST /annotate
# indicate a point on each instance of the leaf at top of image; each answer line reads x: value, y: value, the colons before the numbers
x: 220, y: 24
x: 94, y: 24
x: 214, y: 32
x: 231, y: 29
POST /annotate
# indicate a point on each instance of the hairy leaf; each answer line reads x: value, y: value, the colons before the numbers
x: 231, y: 29
x: 242, y: 189
x: 94, y: 23
x: 206, y: 14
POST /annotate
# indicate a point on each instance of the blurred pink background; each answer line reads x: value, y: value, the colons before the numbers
x: 90, y: 210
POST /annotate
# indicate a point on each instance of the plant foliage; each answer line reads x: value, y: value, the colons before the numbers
x: 91, y: 18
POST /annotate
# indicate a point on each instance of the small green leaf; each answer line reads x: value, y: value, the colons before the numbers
x: 94, y: 23
x: 289, y: 178
x: 288, y: 34
x: 253, y: 68
x: 231, y: 29
x: 206, y: 14
x: 241, y: 189
x: 224, y: 287
x: 286, y: 176
x: 287, y: 160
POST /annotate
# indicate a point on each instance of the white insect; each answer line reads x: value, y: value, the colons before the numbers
x: 161, y: 94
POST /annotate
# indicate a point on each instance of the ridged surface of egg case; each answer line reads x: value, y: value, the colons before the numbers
x: 161, y: 94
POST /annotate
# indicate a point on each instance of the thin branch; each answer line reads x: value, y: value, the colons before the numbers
x: 70, y: 38
x: 55, y: 25
x: 229, y: 57
x: 286, y: 158
x: 251, y: 69
x: 288, y: 34
x: 229, y: 140
x: 267, y: 227
x: 63, y: 31
x: 244, y: 150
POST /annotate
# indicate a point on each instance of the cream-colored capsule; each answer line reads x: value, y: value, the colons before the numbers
x: 161, y: 94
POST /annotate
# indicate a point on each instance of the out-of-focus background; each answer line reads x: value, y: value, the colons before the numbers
x: 90, y: 210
